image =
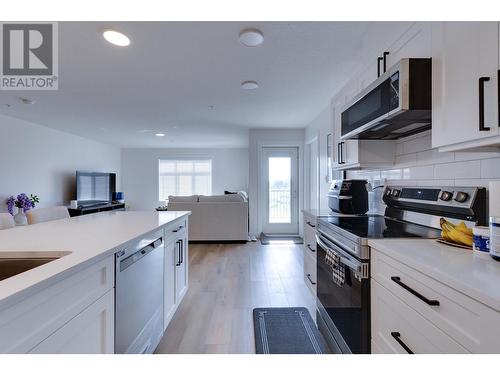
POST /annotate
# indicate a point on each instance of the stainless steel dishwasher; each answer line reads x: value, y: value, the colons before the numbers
x: 139, y: 296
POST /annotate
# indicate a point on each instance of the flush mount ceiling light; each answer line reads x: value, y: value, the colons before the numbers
x: 117, y: 38
x: 251, y: 37
x: 249, y: 85
x: 160, y: 134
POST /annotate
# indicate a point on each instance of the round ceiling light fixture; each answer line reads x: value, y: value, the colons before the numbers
x: 251, y: 37
x: 117, y: 38
x: 160, y: 134
x: 249, y: 85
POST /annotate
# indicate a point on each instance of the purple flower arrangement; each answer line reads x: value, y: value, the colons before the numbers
x: 22, y: 201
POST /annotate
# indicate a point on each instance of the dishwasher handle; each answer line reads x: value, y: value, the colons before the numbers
x: 139, y: 254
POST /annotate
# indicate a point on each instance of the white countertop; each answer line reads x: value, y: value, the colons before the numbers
x: 85, y: 240
x: 475, y: 275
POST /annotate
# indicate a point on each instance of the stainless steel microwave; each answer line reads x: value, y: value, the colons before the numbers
x: 396, y: 105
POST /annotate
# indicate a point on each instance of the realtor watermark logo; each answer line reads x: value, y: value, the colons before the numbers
x: 28, y: 56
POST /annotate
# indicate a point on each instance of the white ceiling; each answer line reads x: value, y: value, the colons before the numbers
x: 172, y: 72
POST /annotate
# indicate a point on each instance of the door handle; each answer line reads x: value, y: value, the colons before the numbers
x: 397, y: 337
x: 310, y: 248
x: 482, y: 80
x: 342, y: 153
x: 385, y: 60
x: 181, y: 245
x: 338, y: 154
x: 379, y: 60
x: 431, y: 302
x: 311, y: 225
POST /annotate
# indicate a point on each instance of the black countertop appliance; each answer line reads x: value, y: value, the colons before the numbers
x: 349, y: 196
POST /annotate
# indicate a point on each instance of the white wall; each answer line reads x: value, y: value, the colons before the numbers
x: 42, y: 161
x: 140, y: 172
x: 259, y: 138
x: 320, y: 127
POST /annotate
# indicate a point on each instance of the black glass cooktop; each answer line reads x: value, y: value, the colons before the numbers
x: 378, y: 226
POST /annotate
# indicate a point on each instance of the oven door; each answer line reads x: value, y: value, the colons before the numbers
x: 343, y: 296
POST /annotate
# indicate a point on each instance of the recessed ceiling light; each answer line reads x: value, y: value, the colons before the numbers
x: 160, y: 134
x: 251, y: 37
x: 249, y: 85
x: 117, y: 38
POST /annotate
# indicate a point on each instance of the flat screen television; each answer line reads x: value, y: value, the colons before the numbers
x: 94, y: 188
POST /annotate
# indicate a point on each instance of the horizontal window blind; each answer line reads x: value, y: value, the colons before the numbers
x: 183, y: 177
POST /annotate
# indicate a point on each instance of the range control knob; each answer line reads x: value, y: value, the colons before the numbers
x: 461, y: 197
x: 395, y: 193
x: 445, y: 195
x: 388, y: 192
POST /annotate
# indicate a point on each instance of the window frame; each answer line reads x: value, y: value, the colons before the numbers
x: 184, y: 158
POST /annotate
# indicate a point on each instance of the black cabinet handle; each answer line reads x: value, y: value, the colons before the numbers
x: 310, y: 280
x: 482, y: 80
x: 178, y: 253
x: 398, y: 281
x: 310, y: 248
x: 338, y: 154
x: 385, y: 60
x: 311, y: 225
x: 379, y: 60
x: 397, y: 337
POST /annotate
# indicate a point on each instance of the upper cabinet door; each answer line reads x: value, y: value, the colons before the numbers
x: 463, y: 54
x: 414, y: 43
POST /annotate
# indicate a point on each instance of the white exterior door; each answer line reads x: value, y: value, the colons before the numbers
x: 280, y: 187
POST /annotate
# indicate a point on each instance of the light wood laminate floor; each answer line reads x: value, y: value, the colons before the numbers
x: 226, y: 281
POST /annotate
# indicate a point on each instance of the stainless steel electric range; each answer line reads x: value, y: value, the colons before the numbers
x: 343, y: 254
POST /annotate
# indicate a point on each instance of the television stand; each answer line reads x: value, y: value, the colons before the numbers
x: 96, y: 208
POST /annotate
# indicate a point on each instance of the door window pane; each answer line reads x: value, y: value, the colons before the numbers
x: 280, y: 183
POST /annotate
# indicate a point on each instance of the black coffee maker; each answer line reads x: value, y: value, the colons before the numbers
x: 349, y: 196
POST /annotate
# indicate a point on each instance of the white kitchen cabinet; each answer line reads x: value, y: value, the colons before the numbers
x: 181, y: 270
x: 415, y: 42
x: 169, y: 305
x: 429, y: 316
x: 310, y: 222
x: 90, y: 332
x: 463, y: 53
x: 28, y: 323
x: 176, y: 269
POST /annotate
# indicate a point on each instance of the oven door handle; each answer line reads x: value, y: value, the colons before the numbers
x: 343, y: 256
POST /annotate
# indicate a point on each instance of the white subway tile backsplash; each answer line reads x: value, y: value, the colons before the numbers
x: 406, y: 160
x: 490, y: 168
x: 391, y: 174
x: 463, y: 169
x: 399, y: 148
x: 461, y: 156
x: 434, y: 157
x: 419, y: 173
x: 417, y: 144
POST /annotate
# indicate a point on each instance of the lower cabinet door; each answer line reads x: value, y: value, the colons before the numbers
x: 169, y: 280
x: 181, y: 269
x: 397, y: 328
x: 90, y: 332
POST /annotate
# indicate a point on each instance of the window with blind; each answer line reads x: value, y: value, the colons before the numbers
x: 185, y: 177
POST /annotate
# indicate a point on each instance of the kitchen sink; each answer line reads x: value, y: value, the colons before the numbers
x: 14, y: 266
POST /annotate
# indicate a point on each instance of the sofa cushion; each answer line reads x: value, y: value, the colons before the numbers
x: 190, y: 198
x: 221, y: 198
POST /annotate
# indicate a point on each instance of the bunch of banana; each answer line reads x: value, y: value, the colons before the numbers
x: 457, y: 233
